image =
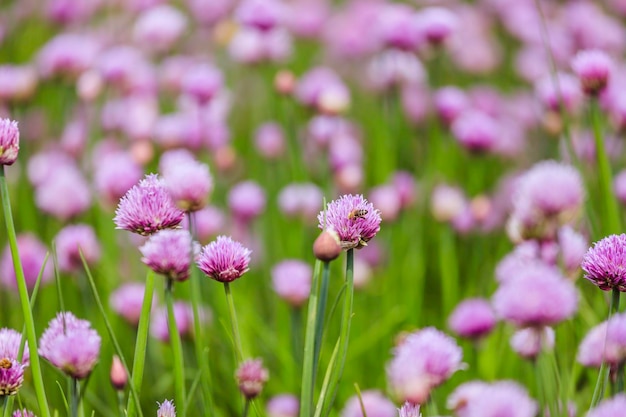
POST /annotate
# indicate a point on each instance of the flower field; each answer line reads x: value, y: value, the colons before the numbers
x: 312, y: 208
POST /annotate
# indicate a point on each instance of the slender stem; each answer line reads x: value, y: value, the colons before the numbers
x: 120, y: 403
x: 321, y: 313
x: 196, y: 302
x: 233, y: 322
x: 29, y: 323
x: 177, y: 350
x: 449, y: 269
x: 75, y: 397
x: 610, y: 203
x: 308, y: 364
x: 295, y: 315
x: 142, y: 342
x: 246, y: 407
x: 603, y: 375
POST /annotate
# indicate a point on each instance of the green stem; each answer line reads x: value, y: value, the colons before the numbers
x: 344, y: 334
x: 308, y: 364
x: 233, y: 322
x: 177, y: 350
x: 120, y: 403
x: 29, y: 323
x: 246, y: 407
x: 603, y: 375
x: 75, y: 397
x: 321, y: 313
x: 449, y: 269
x: 296, y: 333
x: 142, y: 342
x: 610, y: 203
x: 196, y: 302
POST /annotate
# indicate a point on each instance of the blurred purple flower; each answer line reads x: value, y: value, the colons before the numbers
x: 67, y: 181
x: 183, y: 315
x: 166, y: 409
x: 610, y: 407
x: 147, y: 208
x: 436, y: 24
x: 291, y: 280
x: 11, y: 376
x: 263, y: 15
x: 269, y: 140
x: 409, y: 410
x: 189, y: 184
x: 246, y: 200
x: 127, y: 301
x: 71, y: 345
x: 67, y: 54
x: 283, y: 405
x: 472, y: 318
x: 158, y: 28
x: 502, y: 398
x: 374, y: 403
x: 32, y: 254
x: 531, y: 341
x: 9, y: 141
x: 353, y: 218
x: 422, y: 361
x: 593, y: 68
x: 169, y: 252
x: 202, y: 81
x: 476, y: 131
x: 251, y: 376
x: 114, y: 175
x: 449, y: 103
x: 567, y: 94
x: 604, y: 263
x: 23, y: 413
x: 224, y: 260
x: 72, y: 240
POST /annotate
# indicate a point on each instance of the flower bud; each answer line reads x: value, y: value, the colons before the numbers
x: 118, y: 375
x: 327, y: 246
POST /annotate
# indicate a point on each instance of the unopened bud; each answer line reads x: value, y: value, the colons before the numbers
x: 251, y: 377
x: 119, y: 377
x: 284, y: 82
x: 327, y: 246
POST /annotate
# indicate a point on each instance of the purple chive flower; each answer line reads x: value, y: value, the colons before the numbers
x: 539, y: 296
x: 409, y: 410
x: 531, y: 341
x: 9, y: 141
x: 209, y: 222
x: 387, y: 199
x: 147, y: 208
x: 598, y: 345
x: 436, y: 24
x: 166, y: 409
x: 117, y: 374
x: 423, y: 360
x: 568, y: 93
x: 374, y: 402
x: 447, y: 202
x: 114, y: 175
x: 189, y: 184
x: 23, y: 413
x: 353, y: 218
x: 251, y: 377
x: 32, y: 256
x: 246, y: 200
x: 269, y: 140
x: 291, y: 280
x: 573, y: 247
x: 224, y: 259
x: 619, y: 186
x: 450, y: 102
x: 67, y: 181
x: 202, y: 81
x: 159, y: 27
x: 10, y: 344
x: 593, y: 68
x: 472, y: 318
x: 169, y: 252
x: 503, y: 398
x: 11, y: 376
x: 71, y: 241
x: 604, y: 263
x: 71, y: 345
x: 284, y: 405
x: 183, y: 314
x: 476, y: 131
x: 611, y: 407
x: 127, y: 301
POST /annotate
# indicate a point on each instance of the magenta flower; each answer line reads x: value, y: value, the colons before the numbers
x: 611, y: 407
x: 114, y: 175
x: 284, y: 405
x: 67, y: 181
x: 183, y: 316
x: 503, y: 398
x: 32, y: 255
x: 598, y: 345
x: 476, y: 131
x: 593, y: 68
x: 23, y: 413
x: 605, y: 263
x: 251, y: 377
x: 202, y: 82
x: 10, y: 345
x: 71, y: 345
x: 472, y: 318
x: 436, y: 24
x: 71, y: 241
x: 353, y: 218
x: 11, y: 376
x: 538, y: 296
x: 424, y: 360
x: 409, y: 410
x: 246, y: 200
x: 169, y: 252
x: 147, y: 208
x: 166, y: 409
x: 224, y: 259
x: 374, y: 402
x: 127, y: 301
x: 189, y: 184
x: 9, y: 141
x: 291, y: 279
x: 531, y: 341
